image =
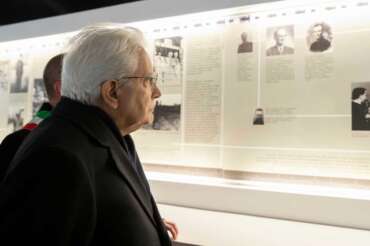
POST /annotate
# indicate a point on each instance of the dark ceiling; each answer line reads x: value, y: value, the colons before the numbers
x: 13, y: 11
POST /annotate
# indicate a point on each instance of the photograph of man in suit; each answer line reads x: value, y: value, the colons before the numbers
x: 258, y: 117
x: 360, y: 109
x: 77, y: 178
x: 245, y: 46
x: 320, y: 38
x: 280, y: 48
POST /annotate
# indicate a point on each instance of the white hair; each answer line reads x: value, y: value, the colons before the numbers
x: 97, y: 54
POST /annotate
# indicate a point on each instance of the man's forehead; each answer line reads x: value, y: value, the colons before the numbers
x: 145, y: 65
x: 281, y: 32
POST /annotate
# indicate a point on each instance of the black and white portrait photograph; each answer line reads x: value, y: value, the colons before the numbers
x: 258, y: 118
x: 360, y: 106
x: 4, y: 76
x: 168, y: 60
x: 245, y: 45
x: 167, y: 113
x: 19, y: 80
x: 39, y: 95
x: 280, y: 41
x: 319, y: 37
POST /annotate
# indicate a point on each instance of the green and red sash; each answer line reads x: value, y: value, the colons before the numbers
x: 40, y: 116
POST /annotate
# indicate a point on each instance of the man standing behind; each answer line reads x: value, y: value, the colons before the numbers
x: 77, y: 179
x: 280, y: 47
x: 52, y: 82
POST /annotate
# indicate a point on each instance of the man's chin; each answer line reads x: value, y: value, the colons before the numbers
x: 150, y: 120
x: 147, y: 121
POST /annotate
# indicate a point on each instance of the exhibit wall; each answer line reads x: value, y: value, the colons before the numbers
x: 264, y: 90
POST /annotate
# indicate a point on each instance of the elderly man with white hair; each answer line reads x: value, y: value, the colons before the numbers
x: 77, y: 179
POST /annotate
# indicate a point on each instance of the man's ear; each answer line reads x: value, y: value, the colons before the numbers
x: 108, y: 93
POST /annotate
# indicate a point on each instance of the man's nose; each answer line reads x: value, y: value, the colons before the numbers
x: 156, y: 92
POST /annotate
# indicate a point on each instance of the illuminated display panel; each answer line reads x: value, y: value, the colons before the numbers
x: 254, y: 92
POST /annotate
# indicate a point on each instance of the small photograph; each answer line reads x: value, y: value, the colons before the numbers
x: 319, y: 37
x: 360, y: 106
x: 168, y: 60
x: 39, y: 95
x: 258, y: 118
x: 15, y: 118
x: 280, y: 41
x: 245, y: 46
x: 19, y: 83
x: 167, y: 114
x: 4, y: 78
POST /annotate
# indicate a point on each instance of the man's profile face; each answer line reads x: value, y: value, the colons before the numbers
x: 137, y: 97
x: 316, y: 32
x: 280, y: 37
x: 363, y: 97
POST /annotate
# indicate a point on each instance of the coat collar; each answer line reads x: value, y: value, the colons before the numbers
x: 95, y: 123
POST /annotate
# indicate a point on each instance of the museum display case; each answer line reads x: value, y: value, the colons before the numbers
x: 270, y: 95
